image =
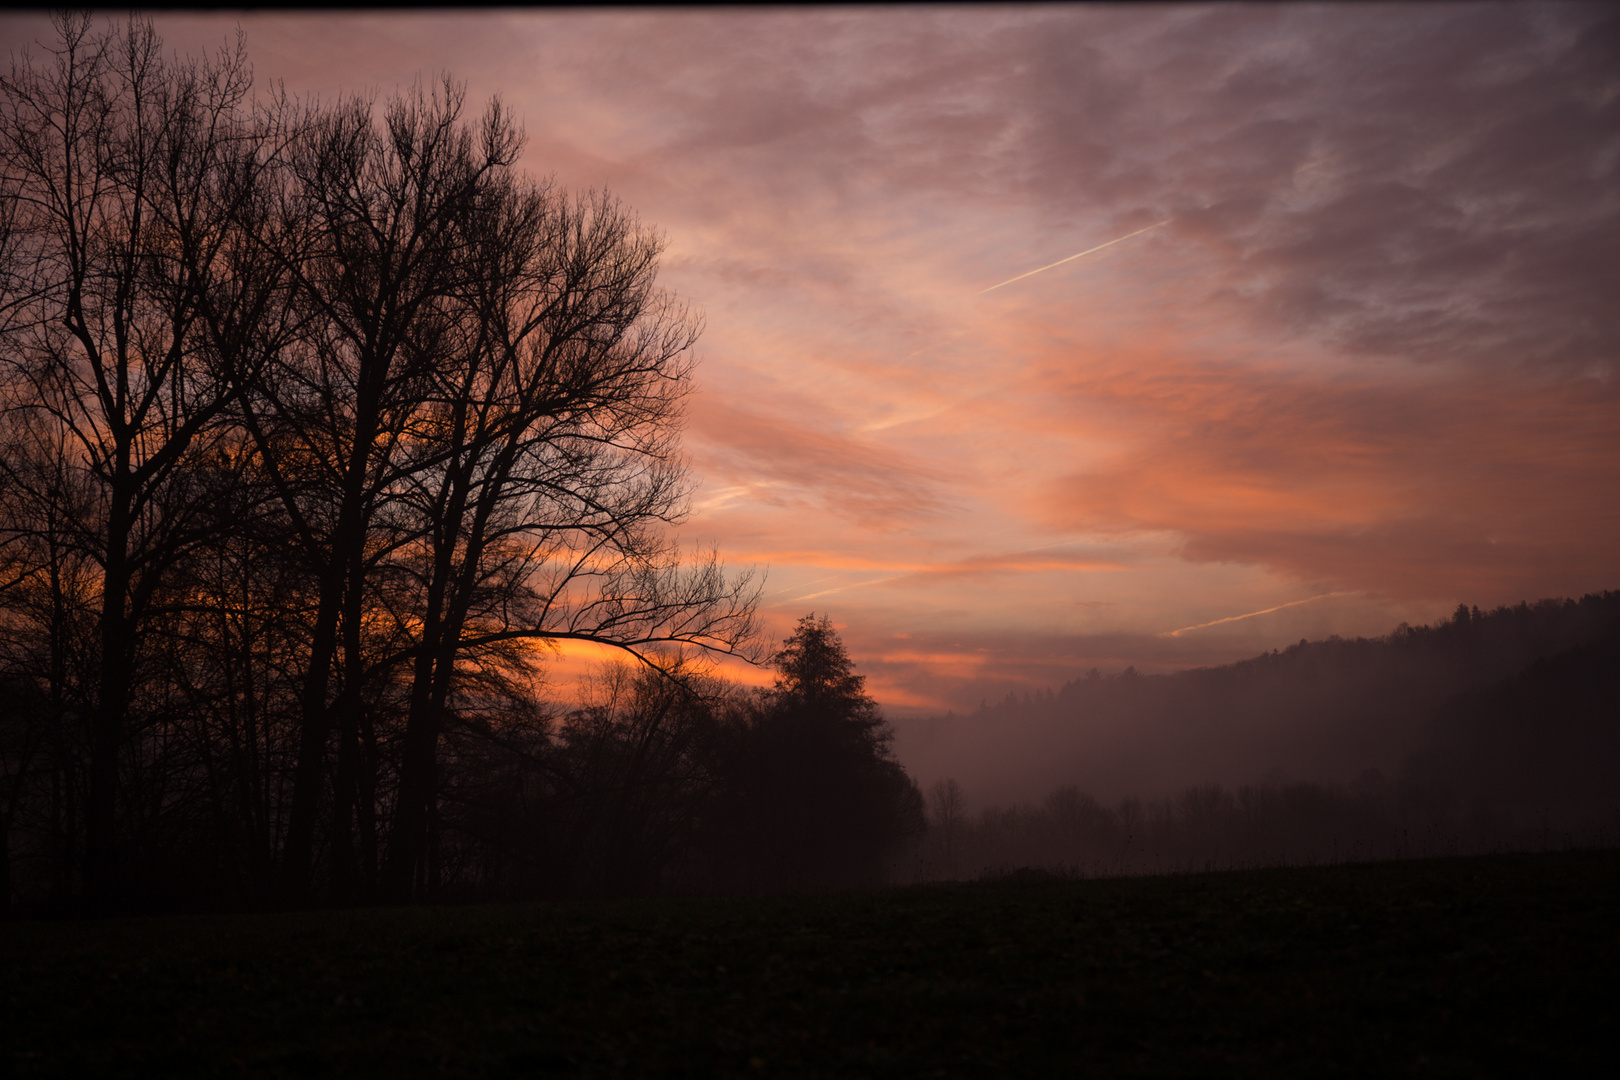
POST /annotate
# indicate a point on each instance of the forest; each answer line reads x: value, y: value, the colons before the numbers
x: 1489, y: 731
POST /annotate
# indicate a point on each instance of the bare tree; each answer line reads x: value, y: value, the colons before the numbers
x: 47, y: 621
x: 554, y: 450
x: 368, y: 235
x: 477, y: 431
x: 112, y: 157
x: 637, y: 770
x: 947, y: 807
x: 327, y: 422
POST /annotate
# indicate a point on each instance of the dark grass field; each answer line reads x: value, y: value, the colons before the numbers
x: 1499, y: 966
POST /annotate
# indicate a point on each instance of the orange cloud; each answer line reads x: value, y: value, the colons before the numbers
x: 1447, y: 484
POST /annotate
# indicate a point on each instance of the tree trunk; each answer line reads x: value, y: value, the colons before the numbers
x: 108, y: 719
x: 314, y: 729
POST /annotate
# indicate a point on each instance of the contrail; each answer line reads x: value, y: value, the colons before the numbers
x: 1071, y: 258
x: 841, y: 588
x: 790, y: 588
x: 1252, y: 614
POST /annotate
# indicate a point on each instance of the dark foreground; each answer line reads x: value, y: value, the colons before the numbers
x: 1504, y: 965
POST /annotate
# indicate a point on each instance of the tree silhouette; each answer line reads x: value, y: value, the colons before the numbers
x: 317, y: 420
x: 115, y: 161
x: 947, y: 806
x: 821, y: 801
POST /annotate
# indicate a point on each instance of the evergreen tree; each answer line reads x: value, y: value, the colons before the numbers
x: 820, y: 800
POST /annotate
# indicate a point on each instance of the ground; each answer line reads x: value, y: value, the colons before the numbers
x: 1503, y: 965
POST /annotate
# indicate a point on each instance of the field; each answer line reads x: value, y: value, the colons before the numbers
x: 1501, y: 965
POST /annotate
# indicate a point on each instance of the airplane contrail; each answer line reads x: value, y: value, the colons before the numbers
x: 841, y: 588
x: 790, y: 588
x: 1252, y: 614
x: 1071, y: 258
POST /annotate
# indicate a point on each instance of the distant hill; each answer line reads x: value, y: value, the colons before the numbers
x: 1540, y: 749
x: 1530, y: 687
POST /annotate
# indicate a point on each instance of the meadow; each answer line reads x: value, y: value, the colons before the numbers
x: 1493, y: 965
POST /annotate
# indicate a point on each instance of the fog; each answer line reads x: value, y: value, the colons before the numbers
x: 1320, y: 712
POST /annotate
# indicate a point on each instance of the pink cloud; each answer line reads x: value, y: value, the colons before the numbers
x: 1373, y: 352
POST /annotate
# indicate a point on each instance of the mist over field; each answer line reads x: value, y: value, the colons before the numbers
x: 1324, y: 711
x: 1491, y: 731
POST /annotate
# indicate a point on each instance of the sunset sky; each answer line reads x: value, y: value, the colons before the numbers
x: 1363, y: 371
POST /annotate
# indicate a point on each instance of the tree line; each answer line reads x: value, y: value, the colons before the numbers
x: 687, y: 785
x: 1323, y: 711
x: 322, y: 426
x: 1516, y: 763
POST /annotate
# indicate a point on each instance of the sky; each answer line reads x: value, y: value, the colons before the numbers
x: 1347, y: 359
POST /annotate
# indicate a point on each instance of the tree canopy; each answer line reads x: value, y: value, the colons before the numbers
x: 320, y: 422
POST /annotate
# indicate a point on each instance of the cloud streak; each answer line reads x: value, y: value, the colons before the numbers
x: 1252, y: 614
x: 1071, y: 258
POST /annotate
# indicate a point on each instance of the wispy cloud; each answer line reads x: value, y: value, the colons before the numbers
x: 843, y: 588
